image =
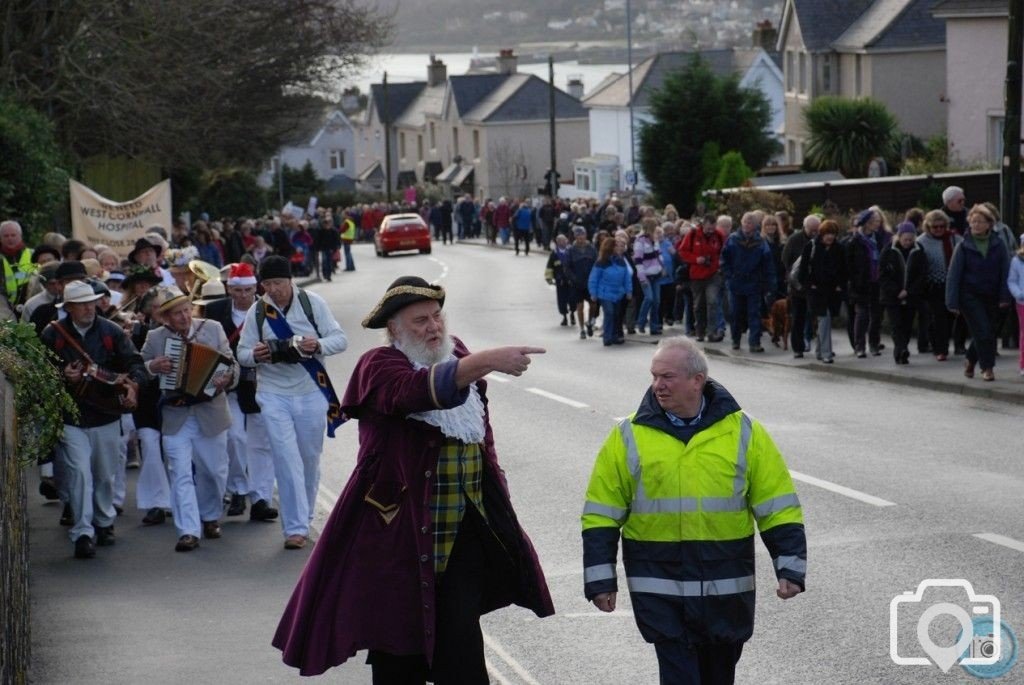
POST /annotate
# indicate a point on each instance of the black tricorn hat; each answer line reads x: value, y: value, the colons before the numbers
x: 403, y: 292
x: 142, y: 244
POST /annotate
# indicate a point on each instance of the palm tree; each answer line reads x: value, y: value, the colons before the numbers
x: 846, y: 134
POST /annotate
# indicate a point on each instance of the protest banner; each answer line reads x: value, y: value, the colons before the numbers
x: 97, y: 220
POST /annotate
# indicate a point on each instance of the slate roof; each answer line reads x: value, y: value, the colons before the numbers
x: 868, y: 24
x: 400, y: 96
x: 525, y: 97
x: 650, y: 74
x: 430, y: 101
x: 986, y: 8
x: 468, y: 90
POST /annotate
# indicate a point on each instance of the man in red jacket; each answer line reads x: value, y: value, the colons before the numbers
x: 423, y: 539
x: 701, y: 249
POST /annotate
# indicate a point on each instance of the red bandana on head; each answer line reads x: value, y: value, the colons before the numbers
x: 242, y: 274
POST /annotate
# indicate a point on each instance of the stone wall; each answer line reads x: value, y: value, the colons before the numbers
x: 14, y: 603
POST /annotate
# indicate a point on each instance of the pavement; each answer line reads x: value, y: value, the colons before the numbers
x: 209, y: 615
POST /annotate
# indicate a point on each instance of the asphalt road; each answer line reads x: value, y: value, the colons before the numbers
x: 896, y: 484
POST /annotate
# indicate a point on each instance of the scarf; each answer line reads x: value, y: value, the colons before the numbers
x: 947, y: 247
x: 872, y: 248
x: 13, y: 254
x: 464, y: 422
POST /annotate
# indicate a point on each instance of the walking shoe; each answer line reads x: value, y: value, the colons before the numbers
x: 987, y: 375
x: 631, y: 331
x: 590, y: 328
x: 969, y: 369
x: 700, y: 338
x: 583, y: 335
x: 717, y: 337
x: 757, y: 348
x: 572, y: 318
x: 66, y: 517
x: 154, y: 517
x: 295, y: 542
x: 876, y: 351
x: 133, y: 455
x: 105, y: 536
x: 186, y: 543
x: 237, y: 506
x: 735, y: 346
x: 640, y: 329
x: 827, y: 361
x: 211, y: 530
x: 861, y: 354
x: 48, y: 489
x: 941, y: 357
x: 565, y: 321
x: 798, y: 355
x: 84, y: 547
x: 262, y: 511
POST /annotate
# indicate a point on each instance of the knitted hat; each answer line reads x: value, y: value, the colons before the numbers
x: 403, y: 292
x: 906, y: 227
x: 863, y: 217
x: 275, y: 266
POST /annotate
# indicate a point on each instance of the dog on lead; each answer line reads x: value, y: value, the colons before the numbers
x: 777, y: 323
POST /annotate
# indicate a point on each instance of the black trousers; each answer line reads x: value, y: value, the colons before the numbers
x: 682, y: 664
x: 902, y: 319
x: 459, y: 645
x: 798, y: 310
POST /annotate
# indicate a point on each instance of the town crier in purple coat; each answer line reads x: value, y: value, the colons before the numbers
x: 423, y: 540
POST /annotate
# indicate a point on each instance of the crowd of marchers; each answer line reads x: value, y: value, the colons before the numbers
x: 949, y: 280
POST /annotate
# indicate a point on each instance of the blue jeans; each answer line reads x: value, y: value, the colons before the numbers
x: 650, y: 307
x: 609, y: 322
x: 349, y: 264
x: 327, y: 263
x: 746, y: 305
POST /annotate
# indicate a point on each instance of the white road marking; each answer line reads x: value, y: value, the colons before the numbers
x: 496, y: 674
x: 444, y: 268
x: 558, y: 398
x: 1001, y: 540
x: 842, y: 490
x: 600, y: 614
x: 507, y: 658
x: 497, y: 379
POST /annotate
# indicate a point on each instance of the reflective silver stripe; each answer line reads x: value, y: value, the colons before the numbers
x: 724, y: 503
x: 776, y: 504
x: 792, y: 564
x: 666, y: 505
x: 599, y: 572
x: 632, y: 454
x: 615, y: 513
x: 691, y: 588
x: 740, y: 482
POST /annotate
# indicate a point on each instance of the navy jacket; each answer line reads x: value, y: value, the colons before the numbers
x: 970, y: 273
x: 747, y: 264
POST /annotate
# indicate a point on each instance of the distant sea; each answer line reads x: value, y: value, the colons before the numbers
x: 407, y: 67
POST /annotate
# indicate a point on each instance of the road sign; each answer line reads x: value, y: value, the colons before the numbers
x: 630, y: 178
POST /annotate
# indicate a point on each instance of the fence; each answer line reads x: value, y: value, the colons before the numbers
x: 14, y: 601
x: 895, y: 193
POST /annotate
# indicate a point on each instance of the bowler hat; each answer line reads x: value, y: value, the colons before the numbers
x: 403, y: 292
x: 144, y: 244
x: 71, y: 270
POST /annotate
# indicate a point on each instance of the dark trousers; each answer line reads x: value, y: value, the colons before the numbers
x: 459, y: 648
x: 524, y: 236
x: 564, y: 296
x: 682, y: 664
x: 981, y: 315
x: 868, y: 321
x: 939, y: 320
x: 668, y: 302
x: 746, y: 307
x: 923, y: 340
x: 901, y: 316
x: 326, y: 263
x: 798, y: 309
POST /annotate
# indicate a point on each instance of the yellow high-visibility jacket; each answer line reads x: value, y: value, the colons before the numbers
x: 686, y: 500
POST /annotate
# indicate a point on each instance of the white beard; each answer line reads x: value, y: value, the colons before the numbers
x: 419, y: 353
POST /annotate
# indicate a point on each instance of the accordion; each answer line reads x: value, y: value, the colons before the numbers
x: 192, y: 367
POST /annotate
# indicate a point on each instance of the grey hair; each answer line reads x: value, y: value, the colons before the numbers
x: 811, y: 218
x: 11, y: 224
x: 696, y: 361
x: 724, y: 220
x: 950, y: 193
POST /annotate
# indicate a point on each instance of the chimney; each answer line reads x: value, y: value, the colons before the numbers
x: 437, y: 72
x: 765, y: 36
x: 574, y: 86
x: 507, y: 62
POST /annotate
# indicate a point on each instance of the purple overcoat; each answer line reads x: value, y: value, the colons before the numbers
x: 369, y: 583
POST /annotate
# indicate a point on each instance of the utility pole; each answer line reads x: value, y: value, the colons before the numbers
x: 1011, y: 125
x: 551, y: 113
x: 280, y: 180
x: 631, y: 173
x: 386, y: 119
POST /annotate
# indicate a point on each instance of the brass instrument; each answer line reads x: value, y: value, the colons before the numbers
x: 201, y: 273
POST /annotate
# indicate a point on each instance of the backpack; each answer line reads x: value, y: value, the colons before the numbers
x: 307, y: 309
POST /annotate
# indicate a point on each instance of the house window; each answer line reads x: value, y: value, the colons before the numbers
x: 337, y: 159
x: 583, y: 179
x: 476, y: 143
x: 419, y: 147
x: 401, y: 144
x: 433, y: 136
x: 455, y: 139
x: 790, y: 70
x: 802, y: 60
x: 826, y: 73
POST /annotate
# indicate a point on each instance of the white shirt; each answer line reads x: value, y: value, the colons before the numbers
x: 291, y: 379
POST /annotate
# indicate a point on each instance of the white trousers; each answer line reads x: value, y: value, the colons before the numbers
x: 152, y: 489
x: 250, y: 461
x: 295, y: 427
x: 120, y: 483
x: 88, y: 457
x: 197, y: 499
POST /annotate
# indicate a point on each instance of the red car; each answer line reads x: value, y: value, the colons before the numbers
x: 400, y: 232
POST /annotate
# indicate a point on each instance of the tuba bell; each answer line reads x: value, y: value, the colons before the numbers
x: 201, y: 272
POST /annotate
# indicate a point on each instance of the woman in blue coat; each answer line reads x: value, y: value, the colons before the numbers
x: 976, y: 287
x: 610, y: 282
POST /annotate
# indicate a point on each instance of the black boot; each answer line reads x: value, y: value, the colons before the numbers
x: 237, y: 506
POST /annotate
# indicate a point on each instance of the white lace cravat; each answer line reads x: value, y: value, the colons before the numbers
x: 464, y: 422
